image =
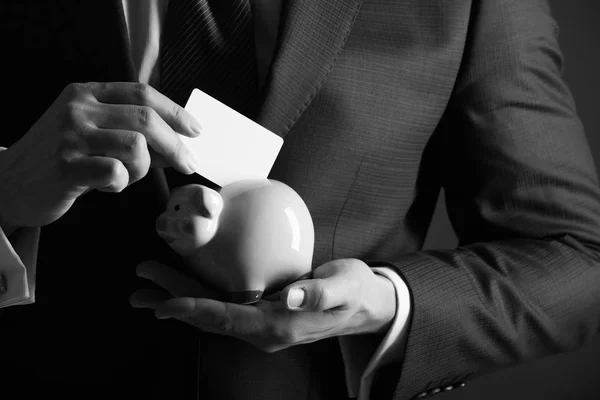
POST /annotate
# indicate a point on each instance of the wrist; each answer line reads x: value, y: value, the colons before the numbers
x: 386, y: 310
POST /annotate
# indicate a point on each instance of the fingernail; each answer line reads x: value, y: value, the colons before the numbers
x: 162, y: 313
x: 135, y: 303
x: 192, y: 164
x: 142, y: 274
x: 295, y: 298
x: 195, y: 126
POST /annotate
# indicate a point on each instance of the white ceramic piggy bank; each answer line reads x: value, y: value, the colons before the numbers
x: 250, y: 237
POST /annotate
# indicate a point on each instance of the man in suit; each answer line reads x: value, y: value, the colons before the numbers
x: 380, y: 104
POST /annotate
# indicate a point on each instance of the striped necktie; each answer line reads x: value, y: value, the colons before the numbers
x: 209, y: 45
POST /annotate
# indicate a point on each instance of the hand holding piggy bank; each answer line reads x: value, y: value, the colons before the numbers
x: 252, y: 237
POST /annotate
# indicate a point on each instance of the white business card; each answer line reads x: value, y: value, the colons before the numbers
x: 231, y: 146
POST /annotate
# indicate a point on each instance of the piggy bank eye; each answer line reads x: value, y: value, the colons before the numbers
x: 177, y: 207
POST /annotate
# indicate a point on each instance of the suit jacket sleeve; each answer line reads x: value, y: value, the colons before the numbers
x: 523, y: 197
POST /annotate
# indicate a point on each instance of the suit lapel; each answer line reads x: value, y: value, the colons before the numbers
x: 312, y: 34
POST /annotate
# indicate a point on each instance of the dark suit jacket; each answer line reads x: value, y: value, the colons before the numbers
x: 381, y: 103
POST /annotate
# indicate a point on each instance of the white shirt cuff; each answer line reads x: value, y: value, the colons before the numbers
x: 363, y: 358
x: 18, y: 259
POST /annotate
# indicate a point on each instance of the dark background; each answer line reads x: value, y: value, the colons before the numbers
x: 574, y: 375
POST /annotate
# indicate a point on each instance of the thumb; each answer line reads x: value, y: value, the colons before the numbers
x: 314, y: 295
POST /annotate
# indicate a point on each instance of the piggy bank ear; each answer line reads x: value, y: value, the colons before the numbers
x: 182, y: 199
x: 208, y: 202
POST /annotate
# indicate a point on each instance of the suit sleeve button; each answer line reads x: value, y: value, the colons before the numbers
x: 435, y: 391
x: 422, y: 395
x: 448, y: 388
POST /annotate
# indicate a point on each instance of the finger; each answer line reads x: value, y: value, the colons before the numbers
x: 141, y: 94
x: 147, y: 298
x: 159, y: 135
x: 129, y: 147
x: 319, y: 294
x: 102, y: 173
x: 225, y: 318
x: 157, y: 160
x: 175, y: 282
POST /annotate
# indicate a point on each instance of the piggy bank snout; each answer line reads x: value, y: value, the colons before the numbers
x: 185, y: 233
x: 167, y: 228
x: 175, y: 227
